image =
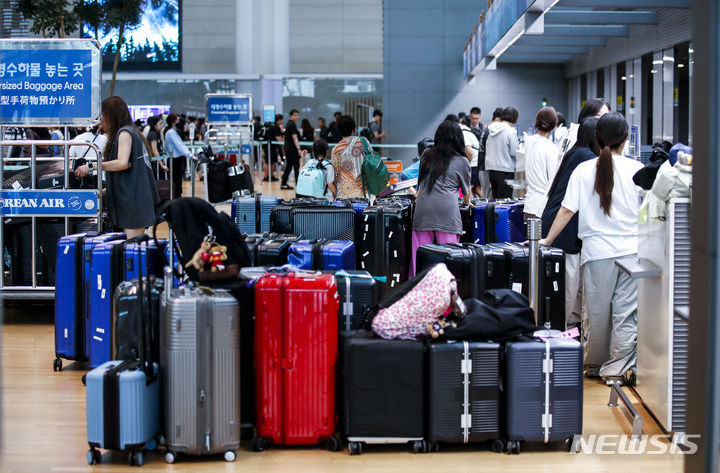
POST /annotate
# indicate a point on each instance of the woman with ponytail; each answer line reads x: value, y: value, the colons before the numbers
x: 541, y: 162
x: 604, y: 195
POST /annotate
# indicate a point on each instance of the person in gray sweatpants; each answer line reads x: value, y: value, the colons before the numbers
x: 609, y: 290
x: 601, y: 191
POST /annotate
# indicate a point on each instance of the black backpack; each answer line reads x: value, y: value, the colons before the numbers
x: 191, y: 220
x: 366, y: 133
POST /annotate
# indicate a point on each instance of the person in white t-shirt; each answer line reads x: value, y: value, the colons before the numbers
x: 541, y: 162
x: 602, y: 191
x: 472, y: 147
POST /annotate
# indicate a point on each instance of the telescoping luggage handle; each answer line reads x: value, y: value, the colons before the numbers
x: 146, y: 361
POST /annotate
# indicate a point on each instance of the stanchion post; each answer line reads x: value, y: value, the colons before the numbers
x: 172, y: 180
x: 534, y: 232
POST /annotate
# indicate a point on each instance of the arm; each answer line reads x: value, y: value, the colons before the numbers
x: 296, y: 141
x: 469, y: 152
x: 333, y: 189
x: 123, y: 157
x: 561, y: 220
x: 173, y: 139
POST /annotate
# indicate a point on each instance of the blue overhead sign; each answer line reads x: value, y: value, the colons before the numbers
x: 48, y: 203
x: 229, y: 109
x: 49, y: 82
x: 268, y: 113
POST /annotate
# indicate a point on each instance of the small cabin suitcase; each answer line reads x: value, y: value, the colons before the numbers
x: 253, y: 241
x: 70, y: 300
x: 484, y: 223
x: 509, y: 223
x: 383, y: 392
x: 252, y: 213
x: 384, y: 249
x: 552, y: 279
x: 357, y: 292
x: 543, y: 386
x: 322, y: 254
x: 468, y: 223
x: 112, y: 263
x: 334, y: 223
x: 464, y: 393
x: 200, y: 363
x: 274, y: 250
x: 296, y: 341
x: 123, y: 399
x: 280, y: 214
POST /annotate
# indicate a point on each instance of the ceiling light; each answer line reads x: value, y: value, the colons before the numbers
x: 691, y: 50
x: 653, y: 71
x: 623, y: 78
x: 632, y: 76
x: 659, y: 61
x: 681, y: 65
x: 668, y: 59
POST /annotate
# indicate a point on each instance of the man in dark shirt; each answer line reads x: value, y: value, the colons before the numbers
x: 274, y: 134
x: 334, y: 135
x: 292, y: 149
x: 376, y: 131
x: 324, y: 130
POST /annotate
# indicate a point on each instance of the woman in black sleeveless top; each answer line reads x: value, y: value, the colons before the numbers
x: 131, y: 191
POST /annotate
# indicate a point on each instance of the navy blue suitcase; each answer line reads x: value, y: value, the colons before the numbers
x: 543, y: 390
x: 483, y: 223
x: 322, y: 254
x: 70, y: 300
x: 509, y: 222
x: 112, y: 263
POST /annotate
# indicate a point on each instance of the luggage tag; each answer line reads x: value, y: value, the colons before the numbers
x: 545, y: 334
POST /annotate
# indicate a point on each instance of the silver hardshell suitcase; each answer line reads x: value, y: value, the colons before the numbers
x: 200, y: 361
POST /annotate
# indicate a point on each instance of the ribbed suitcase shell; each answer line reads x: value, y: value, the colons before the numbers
x: 384, y: 249
x: 357, y: 292
x: 246, y: 210
x: 296, y: 338
x: 329, y: 222
x: 509, y: 223
x: 484, y: 223
x: 552, y: 279
x: 447, y: 392
x: 525, y: 389
x: 138, y: 409
x: 477, y: 268
x: 200, y: 356
x: 280, y: 214
x: 383, y: 390
x: 336, y: 254
x: 70, y: 299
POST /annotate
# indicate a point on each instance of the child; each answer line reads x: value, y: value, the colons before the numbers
x: 320, y: 153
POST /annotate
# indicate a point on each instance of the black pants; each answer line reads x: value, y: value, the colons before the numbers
x: 179, y: 165
x: 497, y: 182
x: 292, y: 161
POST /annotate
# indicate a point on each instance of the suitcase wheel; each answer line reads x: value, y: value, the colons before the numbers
x: 135, y: 459
x: 421, y: 446
x: 94, y: 457
x: 513, y: 447
x: 333, y: 444
x: 258, y: 444
x: 169, y: 457
x: 355, y: 448
x: 498, y: 446
x: 57, y: 364
x: 229, y: 456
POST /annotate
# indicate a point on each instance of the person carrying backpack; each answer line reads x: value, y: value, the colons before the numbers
x: 317, y: 177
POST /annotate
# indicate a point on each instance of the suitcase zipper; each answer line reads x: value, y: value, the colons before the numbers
x: 547, y: 369
x: 205, y: 371
x: 466, y: 369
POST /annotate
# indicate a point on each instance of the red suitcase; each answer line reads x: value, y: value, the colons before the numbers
x: 295, y: 357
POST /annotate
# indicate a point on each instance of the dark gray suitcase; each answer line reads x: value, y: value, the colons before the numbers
x: 357, y: 291
x: 200, y: 362
x: 464, y: 393
x: 543, y: 391
x: 330, y: 222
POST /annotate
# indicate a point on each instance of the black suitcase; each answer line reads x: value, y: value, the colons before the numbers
x: 48, y: 175
x: 357, y: 291
x: 280, y: 214
x: 477, y: 268
x: 383, y: 392
x: 274, y: 250
x: 125, y: 317
x: 240, y: 178
x: 468, y: 223
x: 385, y: 247
x: 218, y: 181
x: 253, y: 241
x: 330, y: 222
x: 552, y: 279
x: 464, y: 397
x: 543, y: 391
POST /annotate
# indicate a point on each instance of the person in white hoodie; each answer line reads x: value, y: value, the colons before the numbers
x: 541, y: 162
x: 593, y: 108
x: 501, y: 151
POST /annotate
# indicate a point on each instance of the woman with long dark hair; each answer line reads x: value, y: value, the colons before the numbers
x: 585, y: 149
x: 131, y: 192
x: 444, y: 169
x: 603, y: 192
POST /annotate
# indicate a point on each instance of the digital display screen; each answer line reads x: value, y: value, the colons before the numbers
x: 143, y: 112
x: 152, y: 44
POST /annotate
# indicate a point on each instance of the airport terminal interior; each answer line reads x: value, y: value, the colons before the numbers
x: 360, y: 235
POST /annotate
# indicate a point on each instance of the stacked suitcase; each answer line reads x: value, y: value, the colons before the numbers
x: 322, y: 254
x: 252, y: 213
